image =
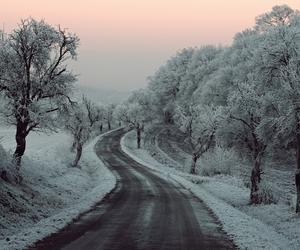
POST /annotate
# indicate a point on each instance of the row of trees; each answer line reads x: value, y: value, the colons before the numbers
x: 36, y: 87
x: 245, y: 96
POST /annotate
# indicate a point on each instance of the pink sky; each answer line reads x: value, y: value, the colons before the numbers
x: 124, y: 41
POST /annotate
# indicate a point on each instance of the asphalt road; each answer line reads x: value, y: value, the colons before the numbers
x: 144, y: 211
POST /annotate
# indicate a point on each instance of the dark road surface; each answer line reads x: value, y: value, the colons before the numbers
x: 143, y: 212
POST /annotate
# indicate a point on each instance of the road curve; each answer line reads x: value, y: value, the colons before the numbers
x: 144, y: 211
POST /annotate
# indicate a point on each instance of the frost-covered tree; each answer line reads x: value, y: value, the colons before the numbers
x: 137, y: 111
x: 200, y: 124
x: 132, y: 114
x: 203, y: 63
x: 240, y: 130
x: 166, y: 82
x: 280, y: 15
x: 108, y: 114
x: 238, y: 87
x: 81, y: 121
x: 280, y: 69
x: 34, y: 80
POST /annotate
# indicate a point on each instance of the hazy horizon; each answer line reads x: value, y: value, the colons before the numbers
x: 123, y: 42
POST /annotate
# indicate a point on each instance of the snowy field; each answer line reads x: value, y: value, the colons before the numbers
x: 52, y: 193
x: 273, y: 226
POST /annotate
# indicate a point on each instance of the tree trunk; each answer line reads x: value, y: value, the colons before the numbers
x: 194, y: 162
x: 78, y: 154
x: 138, y: 136
x: 20, y: 137
x: 101, y: 127
x: 109, y: 125
x: 255, y: 180
x: 120, y: 123
x: 297, y: 174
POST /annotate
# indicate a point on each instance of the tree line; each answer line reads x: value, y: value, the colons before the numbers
x: 245, y: 96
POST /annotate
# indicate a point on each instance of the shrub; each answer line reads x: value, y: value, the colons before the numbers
x: 266, y: 195
x: 219, y: 160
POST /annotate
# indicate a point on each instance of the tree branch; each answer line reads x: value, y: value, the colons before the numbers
x: 241, y: 120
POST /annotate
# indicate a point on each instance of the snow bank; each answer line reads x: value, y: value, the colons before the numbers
x: 246, y: 231
x: 52, y: 194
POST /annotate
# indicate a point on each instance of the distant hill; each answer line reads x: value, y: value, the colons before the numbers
x: 104, y: 96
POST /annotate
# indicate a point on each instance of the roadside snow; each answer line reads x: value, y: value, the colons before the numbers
x: 274, y: 226
x: 52, y: 194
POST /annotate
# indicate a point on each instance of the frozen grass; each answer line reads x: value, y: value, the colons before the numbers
x: 278, y: 171
x: 218, y: 160
x: 52, y: 193
x: 273, y: 226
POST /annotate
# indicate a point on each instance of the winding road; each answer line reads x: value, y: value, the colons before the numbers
x: 144, y: 211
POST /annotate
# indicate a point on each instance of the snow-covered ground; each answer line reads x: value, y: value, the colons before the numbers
x: 52, y: 193
x: 274, y: 226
